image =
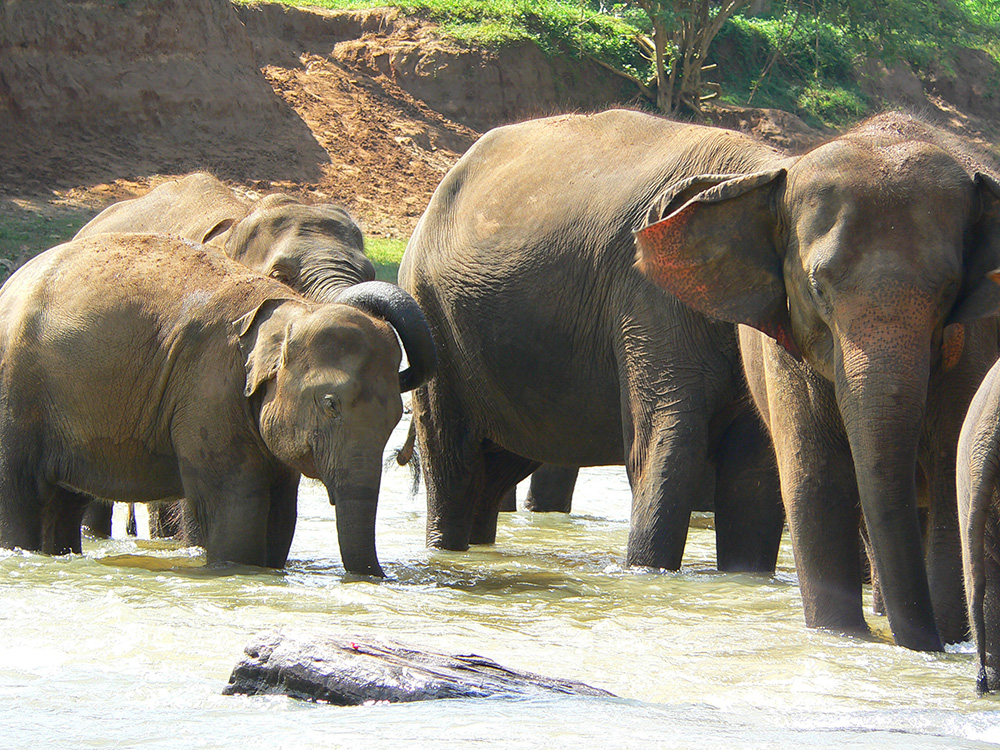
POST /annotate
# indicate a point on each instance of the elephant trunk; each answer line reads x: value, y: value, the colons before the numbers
x: 401, y: 311
x: 882, y: 391
x: 356, y: 504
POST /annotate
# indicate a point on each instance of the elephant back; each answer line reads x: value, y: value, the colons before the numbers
x: 197, y: 207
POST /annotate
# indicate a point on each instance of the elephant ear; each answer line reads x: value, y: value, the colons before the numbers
x: 250, y: 240
x: 681, y: 192
x: 980, y: 296
x: 218, y: 229
x: 717, y: 251
x: 263, y: 333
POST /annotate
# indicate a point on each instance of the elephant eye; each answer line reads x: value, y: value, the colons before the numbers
x: 332, y: 405
x: 820, y: 296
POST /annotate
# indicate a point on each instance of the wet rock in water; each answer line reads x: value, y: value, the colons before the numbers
x: 354, y: 672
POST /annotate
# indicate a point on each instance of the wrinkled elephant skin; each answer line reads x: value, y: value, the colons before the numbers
x: 141, y: 368
x: 554, y: 349
x: 317, y: 250
x: 977, y: 478
x: 859, y: 273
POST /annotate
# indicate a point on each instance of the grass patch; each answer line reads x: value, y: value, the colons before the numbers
x: 26, y: 230
x: 559, y: 27
x: 799, y: 57
x: 385, y: 253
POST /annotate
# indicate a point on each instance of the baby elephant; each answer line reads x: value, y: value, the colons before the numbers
x: 141, y: 367
x: 978, y: 477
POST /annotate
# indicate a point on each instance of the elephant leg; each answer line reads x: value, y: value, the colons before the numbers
x: 749, y: 515
x: 131, y: 525
x: 665, y: 422
x: 21, y: 503
x: 165, y: 519
x: 989, y: 677
x: 281, y: 519
x: 452, y: 466
x: 551, y: 489
x: 62, y: 515
x: 508, y: 503
x: 819, y: 490
x: 231, y: 517
x: 869, y: 573
x: 97, y: 519
x: 942, y: 545
x: 665, y: 487
x: 502, y: 471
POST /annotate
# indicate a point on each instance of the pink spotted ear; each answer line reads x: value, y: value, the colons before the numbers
x: 952, y: 344
x: 717, y: 254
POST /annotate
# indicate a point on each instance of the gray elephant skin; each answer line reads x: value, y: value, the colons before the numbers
x: 317, y: 250
x: 554, y: 349
x: 977, y: 478
x: 859, y: 273
x: 142, y: 367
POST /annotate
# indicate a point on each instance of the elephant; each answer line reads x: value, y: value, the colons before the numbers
x: 550, y: 490
x: 977, y: 475
x: 858, y: 273
x: 318, y: 250
x: 554, y: 349
x: 143, y: 367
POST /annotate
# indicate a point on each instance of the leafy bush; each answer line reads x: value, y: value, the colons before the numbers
x: 799, y: 56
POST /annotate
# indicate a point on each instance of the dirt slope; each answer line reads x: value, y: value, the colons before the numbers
x: 100, y: 99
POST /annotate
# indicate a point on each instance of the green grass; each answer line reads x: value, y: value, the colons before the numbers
x: 570, y: 28
x: 26, y: 231
x: 812, y: 46
x: 385, y: 253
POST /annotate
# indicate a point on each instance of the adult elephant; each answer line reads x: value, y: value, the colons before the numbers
x: 554, y: 349
x: 550, y: 490
x: 317, y: 250
x: 978, y: 484
x: 859, y: 271
x: 143, y: 367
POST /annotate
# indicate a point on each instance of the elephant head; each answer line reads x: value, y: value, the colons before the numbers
x: 864, y: 257
x: 318, y: 250
x: 323, y: 380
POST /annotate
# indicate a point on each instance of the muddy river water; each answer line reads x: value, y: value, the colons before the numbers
x: 130, y: 644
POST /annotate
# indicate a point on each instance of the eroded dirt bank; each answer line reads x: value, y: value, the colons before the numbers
x: 100, y: 100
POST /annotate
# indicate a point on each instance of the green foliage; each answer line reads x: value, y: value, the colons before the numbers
x: 799, y: 55
x: 790, y: 66
x: 558, y: 27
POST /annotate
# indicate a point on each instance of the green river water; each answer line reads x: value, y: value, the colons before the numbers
x: 130, y: 644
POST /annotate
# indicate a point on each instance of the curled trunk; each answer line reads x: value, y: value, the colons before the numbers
x: 401, y: 311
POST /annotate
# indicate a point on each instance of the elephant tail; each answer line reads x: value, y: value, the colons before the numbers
x: 408, y: 455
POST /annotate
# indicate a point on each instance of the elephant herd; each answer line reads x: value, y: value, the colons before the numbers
x: 782, y: 338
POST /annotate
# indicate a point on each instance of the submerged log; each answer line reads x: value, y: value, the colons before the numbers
x: 353, y: 672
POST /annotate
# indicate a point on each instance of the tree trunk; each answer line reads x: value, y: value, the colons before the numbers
x: 350, y: 673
